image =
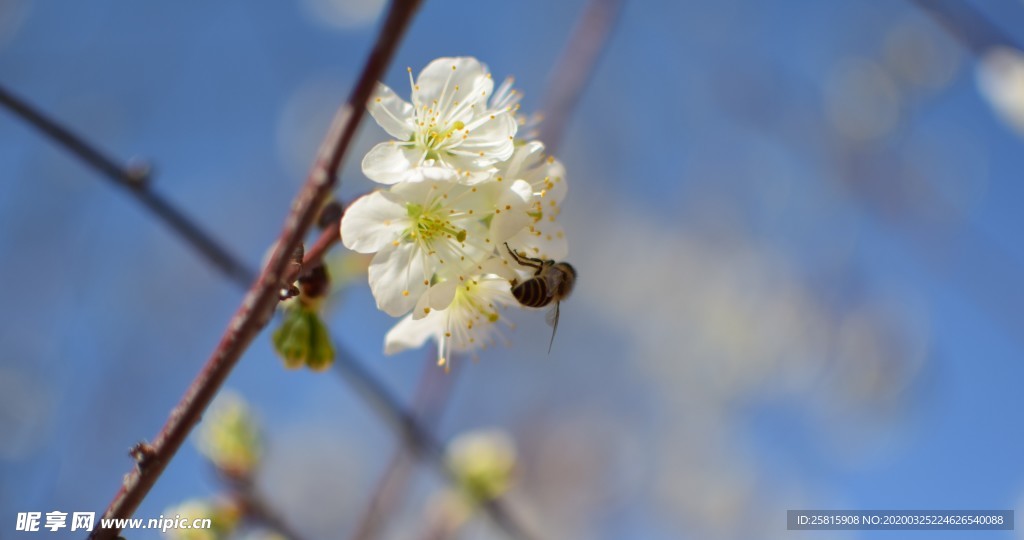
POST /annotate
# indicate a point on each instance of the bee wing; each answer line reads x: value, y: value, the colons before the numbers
x: 553, y: 280
x: 552, y: 319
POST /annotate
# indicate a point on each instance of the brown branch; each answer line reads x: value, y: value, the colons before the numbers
x: 575, y: 67
x: 137, y: 180
x: 328, y: 237
x: 258, y: 305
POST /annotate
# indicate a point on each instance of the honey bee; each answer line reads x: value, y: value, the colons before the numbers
x: 551, y: 282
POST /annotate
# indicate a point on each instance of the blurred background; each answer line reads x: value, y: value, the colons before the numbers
x: 796, y: 226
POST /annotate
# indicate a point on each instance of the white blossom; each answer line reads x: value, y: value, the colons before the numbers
x: 449, y: 131
x: 459, y: 315
x: 424, y: 232
x: 462, y: 186
x: 542, y: 181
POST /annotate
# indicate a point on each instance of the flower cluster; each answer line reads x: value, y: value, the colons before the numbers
x: 461, y: 185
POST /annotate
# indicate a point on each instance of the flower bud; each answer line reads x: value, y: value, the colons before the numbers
x: 303, y: 339
x: 484, y: 462
x: 330, y: 214
x: 230, y: 437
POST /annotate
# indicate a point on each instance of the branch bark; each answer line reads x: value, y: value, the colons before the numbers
x: 137, y: 180
x: 258, y: 305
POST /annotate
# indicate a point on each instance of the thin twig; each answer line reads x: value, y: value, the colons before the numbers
x: 258, y: 305
x: 257, y: 509
x: 965, y: 23
x: 575, y: 67
x: 418, y: 438
x: 137, y: 180
x: 429, y: 402
x: 328, y: 237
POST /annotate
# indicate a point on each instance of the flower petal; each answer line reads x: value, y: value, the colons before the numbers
x: 390, y: 163
x: 437, y: 297
x: 512, y: 212
x: 491, y: 142
x: 545, y: 174
x: 498, y: 266
x: 373, y: 221
x: 392, y: 113
x: 544, y: 240
x: 412, y: 334
x: 430, y: 174
x: 525, y: 156
x: 437, y: 82
x: 552, y: 178
x: 397, y: 278
x: 462, y: 259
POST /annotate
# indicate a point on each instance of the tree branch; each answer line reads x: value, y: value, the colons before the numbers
x: 137, y: 180
x: 328, y: 237
x: 258, y: 305
x: 964, y: 22
x: 429, y: 402
x: 257, y: 509
x: 419, y: 439
x: 575, y: 66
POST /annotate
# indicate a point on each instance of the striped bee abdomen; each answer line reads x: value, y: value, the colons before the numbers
x: 532, y: 293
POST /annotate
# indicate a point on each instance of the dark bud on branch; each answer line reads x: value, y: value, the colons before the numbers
x: 315, y: 282
x: 330, y: 214
x: 143, y: 453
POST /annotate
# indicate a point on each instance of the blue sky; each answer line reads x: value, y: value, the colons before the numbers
x: 795, y: 223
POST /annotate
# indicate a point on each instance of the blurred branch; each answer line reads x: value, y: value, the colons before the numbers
x: 257, y: 509
x: 431, y: 397
x: 137, y: 180
x: 417, y: 437
x: 575, y: 67
x: 965, y: 23
x: 258, y: 304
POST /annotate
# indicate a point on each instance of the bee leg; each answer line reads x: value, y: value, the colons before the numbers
x: 525, y: 261
x: 529, y: 262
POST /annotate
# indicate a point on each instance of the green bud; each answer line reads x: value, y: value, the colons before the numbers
x: 321, y: 349
x: 484, y: 462
x: 230, y: 436
x: 303, y: 339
